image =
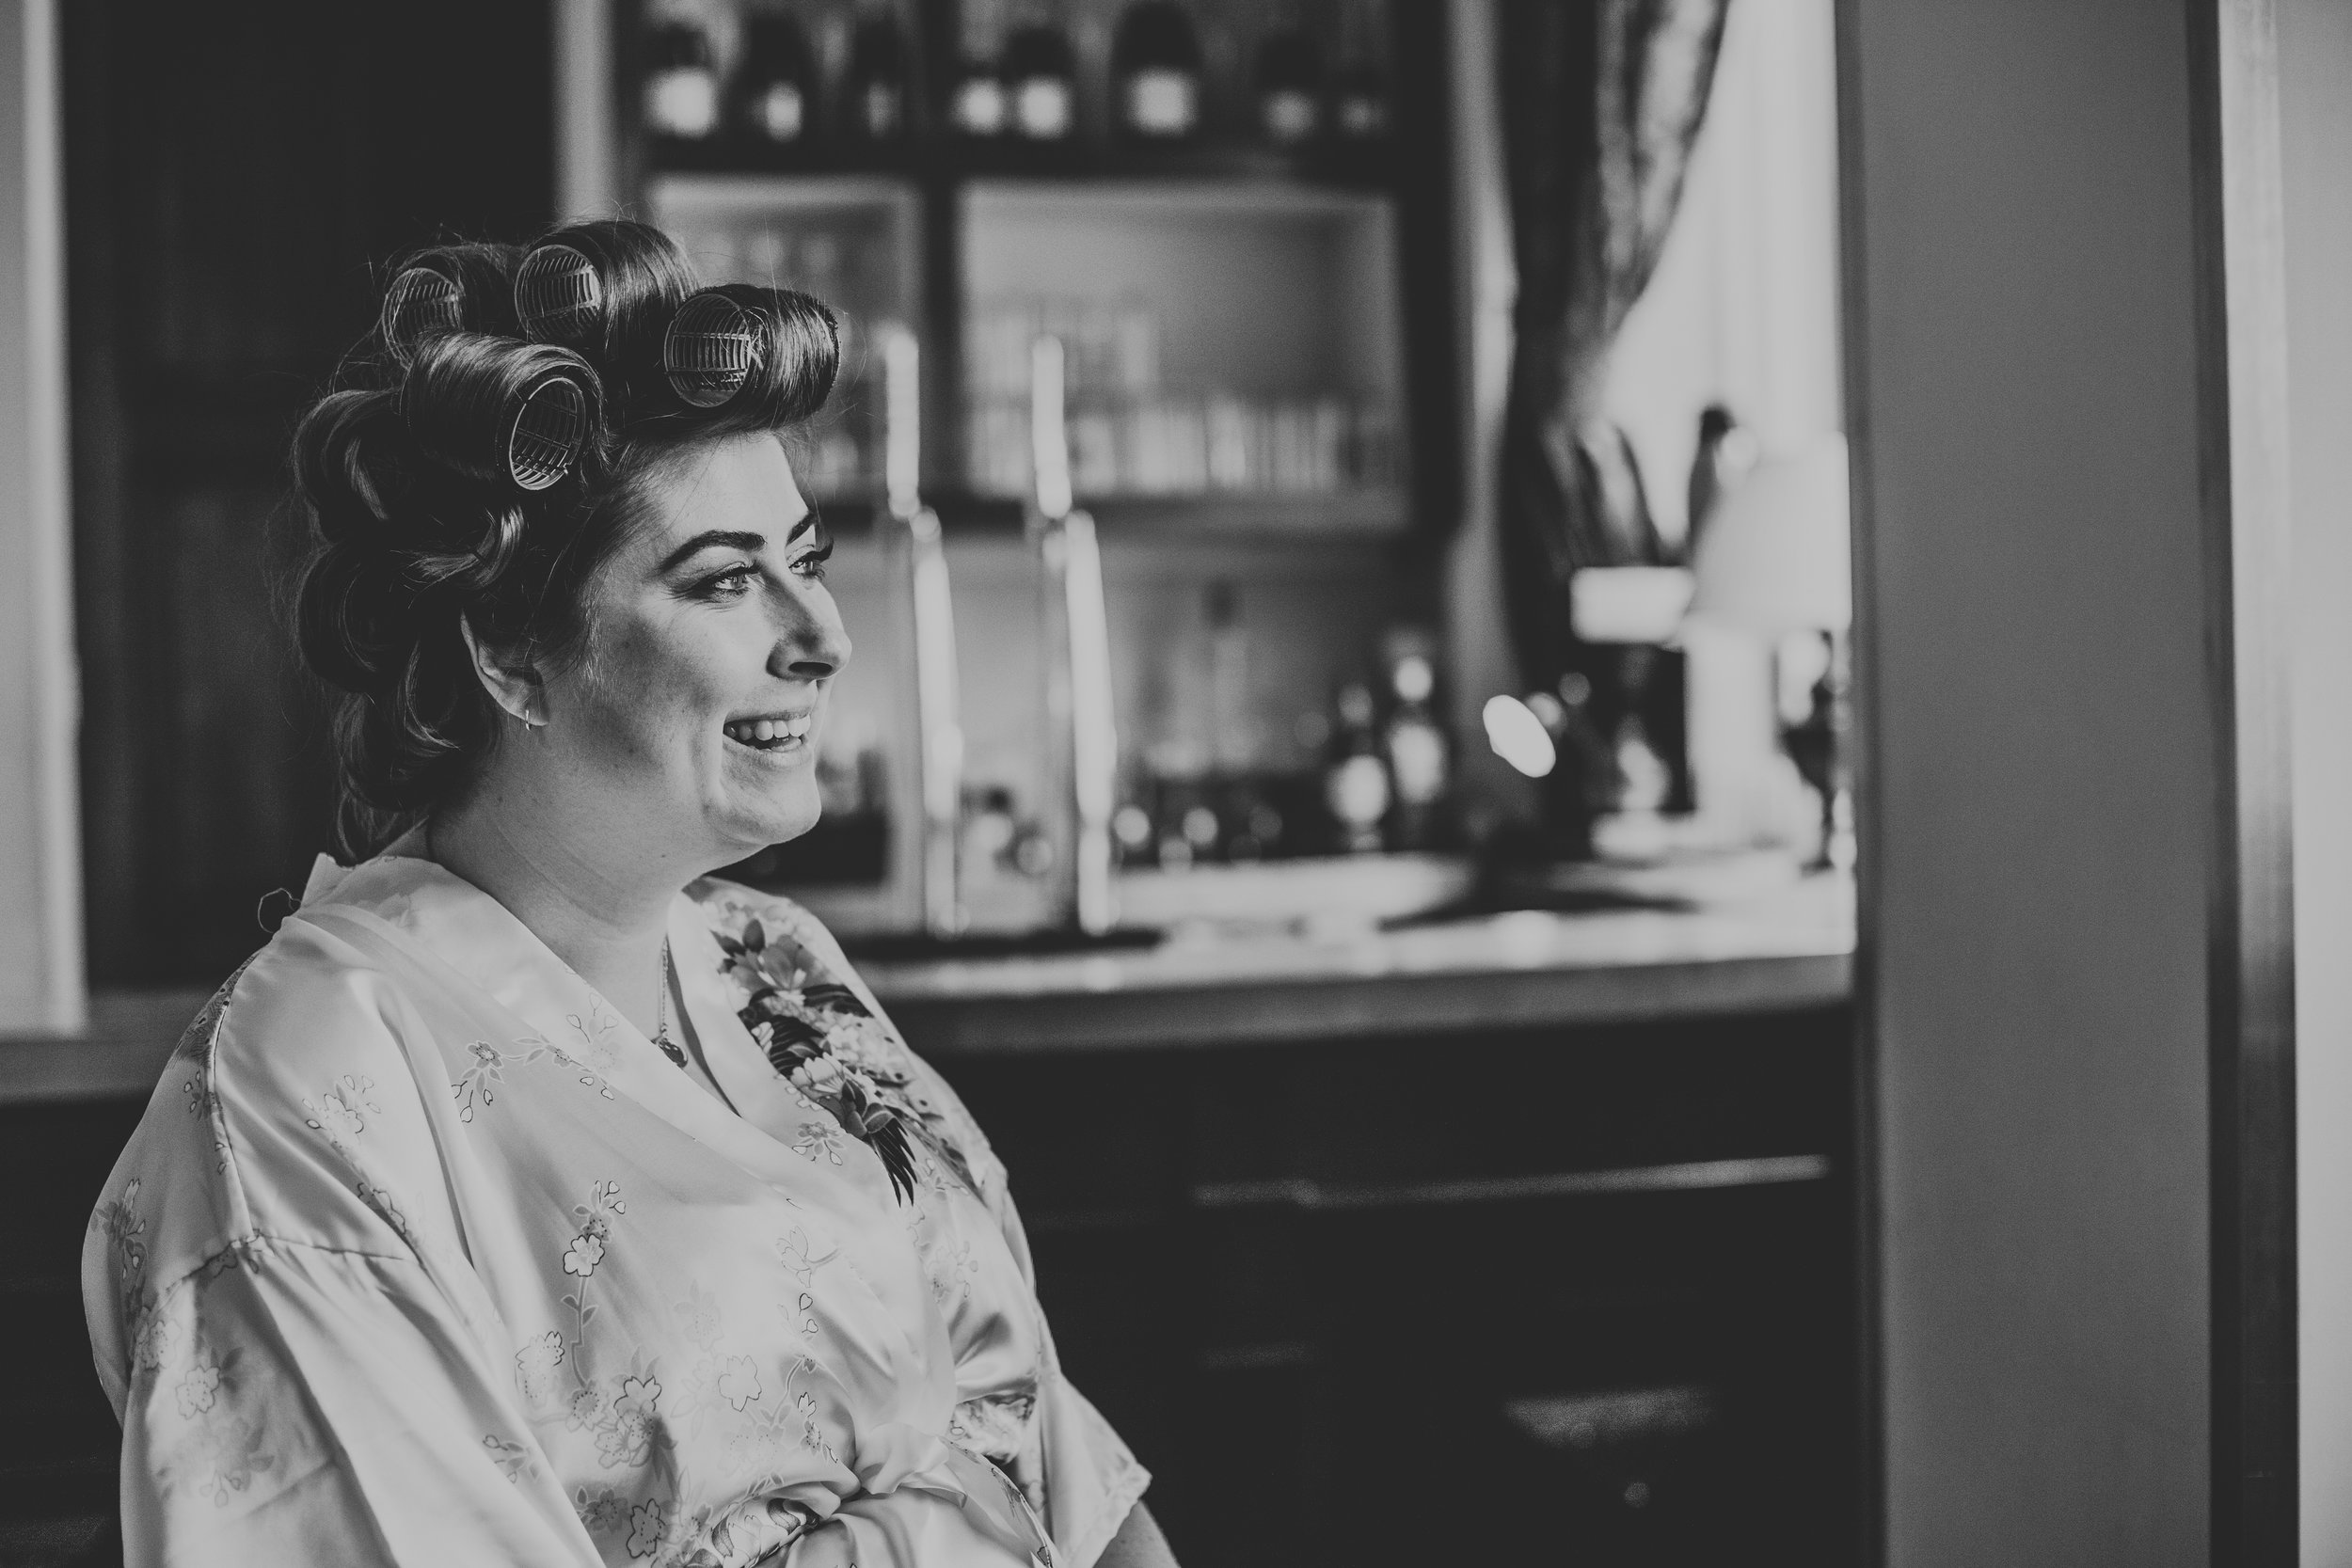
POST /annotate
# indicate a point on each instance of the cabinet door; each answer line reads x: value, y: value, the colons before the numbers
x: 236, y: 177
x: 1578, y: 1295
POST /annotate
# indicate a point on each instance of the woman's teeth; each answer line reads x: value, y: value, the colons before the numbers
x: 769, y: 732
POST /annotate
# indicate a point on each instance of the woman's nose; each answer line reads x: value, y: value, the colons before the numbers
x: 811, y: 642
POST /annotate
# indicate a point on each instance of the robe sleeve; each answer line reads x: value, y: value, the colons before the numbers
x: 294, y: 1405
x: 270, y: 1287
x: 1091, y: 1479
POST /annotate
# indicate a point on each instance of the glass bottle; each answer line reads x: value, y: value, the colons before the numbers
x: 1041, y: 83
x: 1414, y: 742
x: 877, y: 85
x: 1356, y: 785
x: 1289, y: 85
x: 1360, y: 88
x: 681, y: 90
x: 1156, y: 72
x: 975, y: 100
x: 775, y: 84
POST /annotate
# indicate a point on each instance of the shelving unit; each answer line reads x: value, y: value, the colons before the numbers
x: 1277, y: 279
x: 852, y: 240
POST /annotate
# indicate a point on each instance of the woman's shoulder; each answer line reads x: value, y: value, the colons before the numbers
x: 289, y: 1071
x: 300, y: 1016
x: 286, y: 1118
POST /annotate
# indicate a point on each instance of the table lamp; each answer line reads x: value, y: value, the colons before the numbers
x: 1774, y: 559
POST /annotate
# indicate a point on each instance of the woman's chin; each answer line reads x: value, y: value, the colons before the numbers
x: 754, y: 825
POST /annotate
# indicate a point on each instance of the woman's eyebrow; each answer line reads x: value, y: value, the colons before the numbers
x: 750, y: 544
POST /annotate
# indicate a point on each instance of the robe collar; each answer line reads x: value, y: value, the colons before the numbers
x: 429, y: 907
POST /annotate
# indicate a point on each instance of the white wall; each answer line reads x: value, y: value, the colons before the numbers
x: 40, y: 916
x: 2025, y: 399
x: 2315, y: 112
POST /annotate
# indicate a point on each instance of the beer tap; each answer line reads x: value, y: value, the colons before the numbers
x: 1081, y: 741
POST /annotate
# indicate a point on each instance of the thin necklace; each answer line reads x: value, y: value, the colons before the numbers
x: 670, y: 1048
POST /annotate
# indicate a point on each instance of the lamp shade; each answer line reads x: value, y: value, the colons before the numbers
x: 1775, y: 557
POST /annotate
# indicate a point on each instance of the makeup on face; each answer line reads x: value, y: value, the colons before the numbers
x: 718, y: 642
x: 785, y: 728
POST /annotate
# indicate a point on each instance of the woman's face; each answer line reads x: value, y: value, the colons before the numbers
x: 696, y: 707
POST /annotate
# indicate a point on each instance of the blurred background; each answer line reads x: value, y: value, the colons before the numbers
x: 1283, y: 305
x: 1351, y: 756
x: 1371, y: 836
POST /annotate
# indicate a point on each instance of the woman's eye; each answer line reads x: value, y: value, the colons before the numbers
x: 732, y: 583
x: 812, y: 563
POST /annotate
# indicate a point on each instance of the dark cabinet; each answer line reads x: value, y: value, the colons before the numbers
x: 234, y: 176
x: 1577, y: 1295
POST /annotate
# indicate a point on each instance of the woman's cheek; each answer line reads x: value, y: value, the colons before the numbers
x: 654, y: 678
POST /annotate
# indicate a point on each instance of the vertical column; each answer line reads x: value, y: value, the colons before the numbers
x: 587, y: 164
x: 2059, y: 836
x: 41, y: 907
x: 2249, y: 902
x: 2315, y: 111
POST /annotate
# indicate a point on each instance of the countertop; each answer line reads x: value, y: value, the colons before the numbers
x: 1779, y: 950
x: 1787, y: 949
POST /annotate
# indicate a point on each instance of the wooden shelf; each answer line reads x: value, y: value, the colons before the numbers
x: 1367, y: 515
x: 760, y: 192
x: 1370, y: 167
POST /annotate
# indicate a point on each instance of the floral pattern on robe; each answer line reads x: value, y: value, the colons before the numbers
x: 422, y: 1254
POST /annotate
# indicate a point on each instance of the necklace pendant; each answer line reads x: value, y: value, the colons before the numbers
x: 670, y: 1048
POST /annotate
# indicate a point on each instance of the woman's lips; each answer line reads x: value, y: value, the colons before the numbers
x: 772, y: 734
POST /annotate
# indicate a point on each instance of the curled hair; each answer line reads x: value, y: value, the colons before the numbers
x: 494, y: 408
x: 486, y: 454
x: 751, y: 358
x: 607, y: 291
x: 446, y: 288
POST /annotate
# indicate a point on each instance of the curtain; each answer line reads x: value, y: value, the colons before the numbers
x: 1603, y: 100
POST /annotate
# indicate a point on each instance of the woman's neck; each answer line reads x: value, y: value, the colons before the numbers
x: 578, y: 890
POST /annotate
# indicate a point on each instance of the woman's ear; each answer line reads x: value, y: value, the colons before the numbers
x: 516, y: 686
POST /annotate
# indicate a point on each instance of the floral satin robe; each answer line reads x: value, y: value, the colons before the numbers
x: 423, y: 1255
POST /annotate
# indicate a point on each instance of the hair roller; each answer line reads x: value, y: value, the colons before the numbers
x: 711, y: 348
x: 750, y: 357
x: 501, y: 410
x: 450, y: 288
x: 559, y: 296
x: 591, y: 287
x: 421, y: 300
x: 549, y: 431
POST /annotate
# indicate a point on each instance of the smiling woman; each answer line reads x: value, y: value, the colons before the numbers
x: 534, y: 1196
x: 684, y: 724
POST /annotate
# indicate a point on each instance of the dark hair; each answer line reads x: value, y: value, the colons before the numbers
x: 487, y: 448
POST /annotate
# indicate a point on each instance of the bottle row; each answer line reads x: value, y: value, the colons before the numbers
x: 1126, y: 437
x: 1173, y: 444
x: 785, y: 82
x: 1110, y: 347
x: 1378, y: 779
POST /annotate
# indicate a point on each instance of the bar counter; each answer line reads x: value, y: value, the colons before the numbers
x: 1786, y: 950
